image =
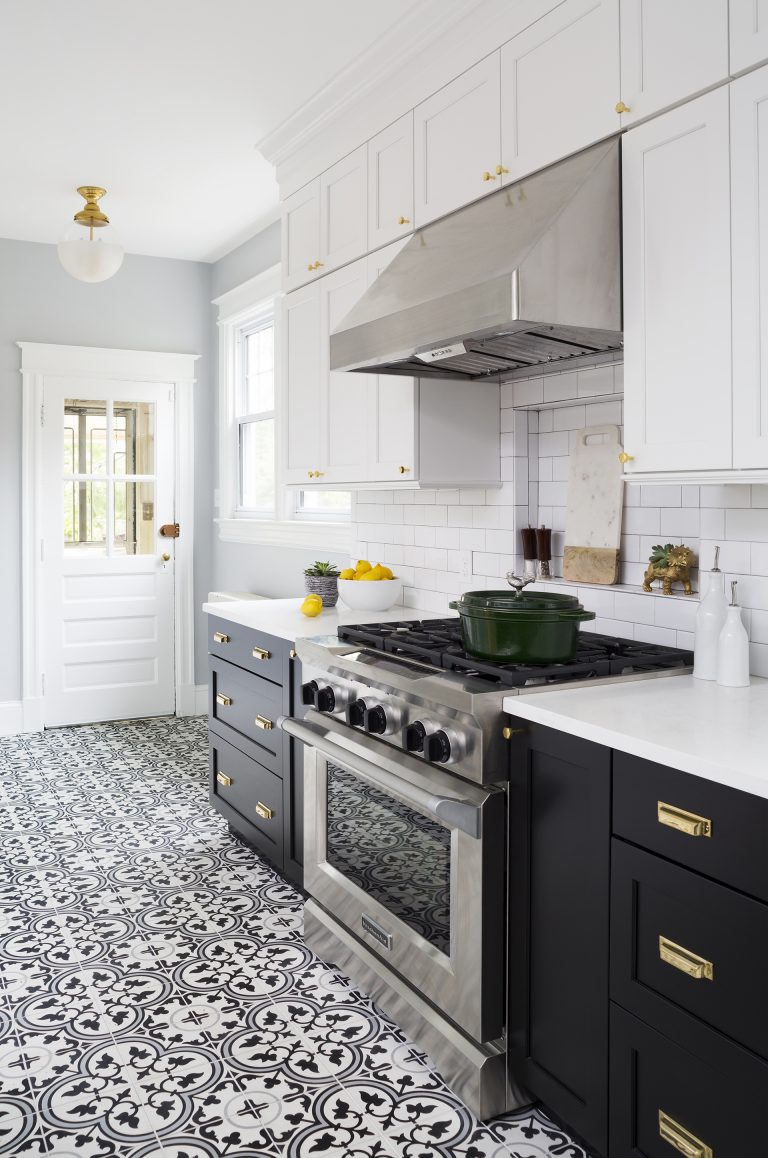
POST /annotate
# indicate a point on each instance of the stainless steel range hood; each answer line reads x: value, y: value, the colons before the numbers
x: 527, y: 276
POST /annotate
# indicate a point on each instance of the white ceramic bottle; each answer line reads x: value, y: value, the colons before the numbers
x: 710, y: 618
x: 733, y: 648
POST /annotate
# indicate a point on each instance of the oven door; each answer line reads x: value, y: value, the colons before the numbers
x: 410, y: 859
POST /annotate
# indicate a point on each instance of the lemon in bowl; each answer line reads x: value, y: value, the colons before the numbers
x: 365, y: 587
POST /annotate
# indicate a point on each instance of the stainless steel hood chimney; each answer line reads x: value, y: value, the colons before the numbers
x: 527, y: 276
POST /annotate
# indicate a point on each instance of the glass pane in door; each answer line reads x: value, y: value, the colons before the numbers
x: 394, y: 854
x: 85, y: 515
x: 85, y: 437
x: 133, y: 438
x: 134, y: 518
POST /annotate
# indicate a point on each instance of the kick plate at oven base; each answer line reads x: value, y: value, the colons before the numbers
x: 476, y: 1073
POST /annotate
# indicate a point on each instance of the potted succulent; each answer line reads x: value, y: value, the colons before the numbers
x: 320, y: 579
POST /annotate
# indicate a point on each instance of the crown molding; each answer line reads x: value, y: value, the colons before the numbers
x: 402, y: 44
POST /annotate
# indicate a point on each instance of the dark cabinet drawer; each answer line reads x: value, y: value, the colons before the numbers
x: 242, y: 704
x: 706, y: 826
x: 241, y: 788
x: 703, y: 1100
x: 679, y: 937
x: 254, y: 650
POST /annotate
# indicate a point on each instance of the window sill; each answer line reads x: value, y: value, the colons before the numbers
x: 309, y: 535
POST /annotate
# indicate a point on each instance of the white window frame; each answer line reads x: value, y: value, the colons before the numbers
x: 286, y: 527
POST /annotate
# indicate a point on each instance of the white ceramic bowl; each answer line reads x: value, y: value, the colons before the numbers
x: 376, y: 595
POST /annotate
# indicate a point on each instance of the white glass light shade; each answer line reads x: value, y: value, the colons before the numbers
x: 90, y: 259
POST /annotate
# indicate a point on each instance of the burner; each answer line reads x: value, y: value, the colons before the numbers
x: 439, y: 642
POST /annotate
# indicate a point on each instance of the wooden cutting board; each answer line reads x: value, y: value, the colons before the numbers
x: 593, y: 513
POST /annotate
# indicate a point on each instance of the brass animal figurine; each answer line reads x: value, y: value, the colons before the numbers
x: 671, y: 565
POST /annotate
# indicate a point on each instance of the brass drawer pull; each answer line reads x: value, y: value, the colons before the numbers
x: 260, y: 653
x: 224, y: 779
x: 682, y: 1139
x: 220, y: 637
x: 264, y: 812
x: 683, y: 821
x: 263, y: 723
x: 687, y: 962
x: 225, y: 701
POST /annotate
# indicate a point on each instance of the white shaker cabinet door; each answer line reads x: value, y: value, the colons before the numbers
x: 346, y: 396
x: 749, y: 196
x: 677, y: 289
x: 301, y: 235
x: 749, y: 33
x: 559, y: 85
x: 393, y: 446
x: 304, y: 452
x: 457, y: 141
x: 670, y: 52
x: 390, y: 183
x: 343, y: 210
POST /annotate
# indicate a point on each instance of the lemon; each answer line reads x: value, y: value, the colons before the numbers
x: 347, y: 573
x: 362, y: 566
x: 371, y: 576
x: 385, y: 572
x: 311, y: 606
x: 375, y: 572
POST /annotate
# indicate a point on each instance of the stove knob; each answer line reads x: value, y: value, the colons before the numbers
x: 438, y: 748
x: 325, y: 699
x: 356, y: 713
x: 415, y: 735
x: 376, y: 721
x: 308, y: 692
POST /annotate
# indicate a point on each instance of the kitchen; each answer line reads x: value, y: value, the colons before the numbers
x: 468, y: 825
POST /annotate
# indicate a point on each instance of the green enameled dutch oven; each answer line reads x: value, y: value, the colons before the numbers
x: 530, y: 627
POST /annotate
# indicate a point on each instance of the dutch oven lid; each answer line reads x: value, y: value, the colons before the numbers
x: 511, y: 601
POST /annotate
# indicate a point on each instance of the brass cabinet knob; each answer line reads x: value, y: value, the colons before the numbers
x: 225, y: 701
x: 261, y: 653
x: 500, y: 169
x: 681, y: 1139
x: 404, y: 469
x: 489, y: 176
x: 624, y: 457
x: 688, y: 962
x: 683, y: 821
x: 224, y: 779
x: 317, y: 265
x: 622, y: 108
x: 310, y: 267
x: 263, y: 723
x: 220, y: 637
x: 310, y: 474
x: 403, y: 221
x: 263, y: 811
x: 319, y: 474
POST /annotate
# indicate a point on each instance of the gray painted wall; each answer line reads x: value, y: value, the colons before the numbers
x: 151, y: 304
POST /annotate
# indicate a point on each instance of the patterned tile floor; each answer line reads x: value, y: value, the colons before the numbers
x: 156, y: 998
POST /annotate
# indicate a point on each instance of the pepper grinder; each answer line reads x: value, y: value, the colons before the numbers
x: 528, y: 535
x: 544, y: 551
x: 710, y: 618
x: 733, y: 648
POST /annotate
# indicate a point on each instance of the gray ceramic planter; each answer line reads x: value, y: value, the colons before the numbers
x: 323, y: 585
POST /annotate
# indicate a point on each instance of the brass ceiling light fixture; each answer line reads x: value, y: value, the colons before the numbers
x: 84, y: 254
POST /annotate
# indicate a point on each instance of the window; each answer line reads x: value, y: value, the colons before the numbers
x: 255, y: 416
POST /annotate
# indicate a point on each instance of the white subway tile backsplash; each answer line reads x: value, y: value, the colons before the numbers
x: 642, y: 521
x: 559, y: 387
x: 554, y: 443
x: 675, y: 611
x: 471, y: 540
x: 661, y: 496
x: 728, y: 495
x: 569, y: 417
x: 635, y: 608
x: 424, y: 536
x: 598, y: 413
x: 759, y: 559
x: 650, y: 634
x: 679, y: 523
x: 748, y: 524
x: 447, y: 537
x: 596, y: 380
x: 526, y: 393
x: 712, y: 523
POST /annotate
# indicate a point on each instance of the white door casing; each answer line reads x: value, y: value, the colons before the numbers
x: 52, y: 373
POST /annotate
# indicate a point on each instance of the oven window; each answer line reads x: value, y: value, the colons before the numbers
x: 397, y: 856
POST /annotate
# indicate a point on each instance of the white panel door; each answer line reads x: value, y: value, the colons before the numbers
x: 749, y: 33
x: 107, y: 487
x: 390, y: 183
x: 749, y: 193
x: 457, y: 142
x: 344, y: 210
x: 677, y: 289
x: 670, y: 52
x: 559, y: 85
x: 300, y: 367
x: 393, y: 448
x: 345, y: 396
x: 301, y: 235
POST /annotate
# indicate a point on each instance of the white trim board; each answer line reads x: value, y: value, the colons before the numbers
x: 11, y: 718
x: 301, y: 534
x: 40, y: 360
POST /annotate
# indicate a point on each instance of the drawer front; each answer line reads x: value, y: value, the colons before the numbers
x: 254, y: 793
x: 254, y: 650
x: 679, y: 937
x: 705, y: 826
x: 242, y: 704
x: 668, y: 1100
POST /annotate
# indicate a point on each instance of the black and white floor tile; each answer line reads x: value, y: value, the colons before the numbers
x: 156, y: 997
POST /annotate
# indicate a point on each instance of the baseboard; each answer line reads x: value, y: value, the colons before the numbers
x: 11, y: 717
x: 192, y: 700
x: 201, y: 700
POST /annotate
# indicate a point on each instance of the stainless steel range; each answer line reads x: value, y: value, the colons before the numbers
x: 405, y: 771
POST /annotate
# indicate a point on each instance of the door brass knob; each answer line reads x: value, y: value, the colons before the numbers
x: 403, y: 221
x: 489, y: 176
x: 624, y: 457
x: 622, y: 108
x: 165, y: 556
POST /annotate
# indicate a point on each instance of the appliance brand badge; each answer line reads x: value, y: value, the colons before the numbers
x: 440, y: 353
x: 375, y: 929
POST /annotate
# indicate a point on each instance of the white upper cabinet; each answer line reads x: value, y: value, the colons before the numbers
x: 300, y: 369
x: 346, y: 397
x: 343, y: 211
x: 749, y: 199
x: 457, y: 141
x: 677, y: 289
x: 559, y: 85
x: 670, y: 52
x: 390, y: 183
x: 749, y: 33
x: 301, y: 234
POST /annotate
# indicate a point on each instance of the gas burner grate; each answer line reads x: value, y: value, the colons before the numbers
x: 439, y: 642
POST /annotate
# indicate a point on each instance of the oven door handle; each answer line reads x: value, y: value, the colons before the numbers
x: 457, y: 813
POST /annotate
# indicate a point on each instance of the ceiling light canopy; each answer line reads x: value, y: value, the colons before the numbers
x: 83, y: 255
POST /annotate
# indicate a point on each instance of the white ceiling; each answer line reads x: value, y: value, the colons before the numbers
x: 160, y: 102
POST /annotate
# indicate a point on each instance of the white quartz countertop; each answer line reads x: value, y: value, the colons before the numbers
x: 282, y: 617
x: 694, y: 725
